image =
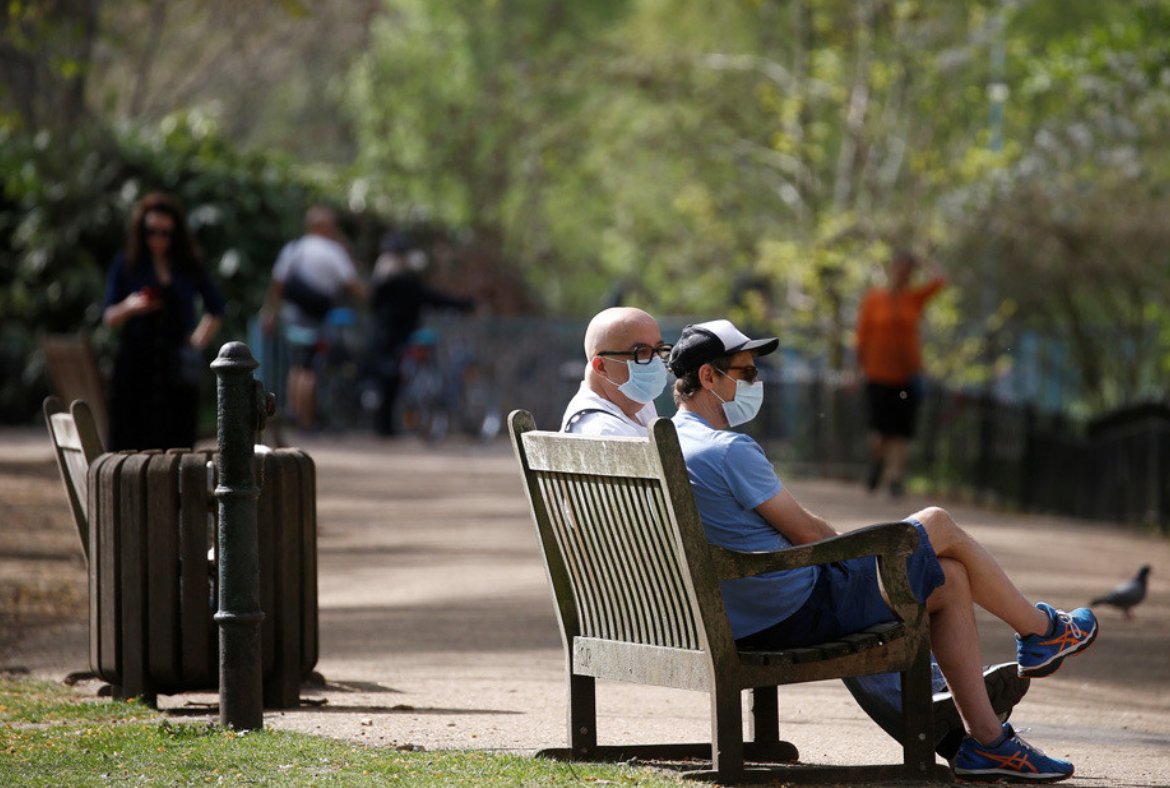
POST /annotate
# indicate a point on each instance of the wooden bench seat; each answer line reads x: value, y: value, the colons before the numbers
x: 635, y: 584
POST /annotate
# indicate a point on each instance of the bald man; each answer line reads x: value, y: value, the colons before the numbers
x: 626, y: 371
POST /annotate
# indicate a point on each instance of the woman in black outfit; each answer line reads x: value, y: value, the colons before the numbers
x: 151, y: 294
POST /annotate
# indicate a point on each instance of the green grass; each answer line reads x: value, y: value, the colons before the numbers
x: 52, y: 736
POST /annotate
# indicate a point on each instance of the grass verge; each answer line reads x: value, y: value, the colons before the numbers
x: 51, y: 735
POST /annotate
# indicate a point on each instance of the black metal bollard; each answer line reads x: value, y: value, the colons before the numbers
x: 241, y: 415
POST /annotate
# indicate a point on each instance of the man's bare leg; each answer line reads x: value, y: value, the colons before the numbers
x: 990, y: 587
x: 954, y: 640
x: 303, y: 395
x: 894, y: 451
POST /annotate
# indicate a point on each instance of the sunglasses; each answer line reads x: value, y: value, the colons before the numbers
x: 152, y: 232
x: 750, y: 374
x: 643, y: 354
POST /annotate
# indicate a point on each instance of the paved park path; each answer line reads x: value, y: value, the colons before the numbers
x: 437, y: 629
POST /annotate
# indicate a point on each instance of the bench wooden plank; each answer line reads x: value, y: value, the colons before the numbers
x: 105, y: 642
x: 643, y: 664
x: 76, y: 444
x: 75, y: 375
x: 307, y: 519
x: 280, y: 551
x: 595, y: 456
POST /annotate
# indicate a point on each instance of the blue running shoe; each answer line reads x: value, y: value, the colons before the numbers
x: 1014, y: 760
x: 1041, y: 655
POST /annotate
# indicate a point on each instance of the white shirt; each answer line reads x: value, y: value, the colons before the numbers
x: 322, y: 263
x: 611, y: 422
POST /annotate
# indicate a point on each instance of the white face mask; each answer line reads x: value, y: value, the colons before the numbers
x: 646, y: 380
x: 748, y: 399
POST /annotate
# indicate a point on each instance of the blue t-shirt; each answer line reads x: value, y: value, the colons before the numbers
x: 730, y: 477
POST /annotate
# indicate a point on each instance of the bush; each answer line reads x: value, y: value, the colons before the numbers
x: 64, y: 208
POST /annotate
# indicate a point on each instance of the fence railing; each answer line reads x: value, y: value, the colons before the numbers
x: 814, y: 422
x: 994, y: 452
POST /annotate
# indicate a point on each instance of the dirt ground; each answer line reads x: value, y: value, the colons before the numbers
x: 437, y: 630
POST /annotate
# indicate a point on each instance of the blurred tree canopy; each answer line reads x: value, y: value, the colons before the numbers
x: 763, y: 157
x: 757, y: 158
x: 268, y: 72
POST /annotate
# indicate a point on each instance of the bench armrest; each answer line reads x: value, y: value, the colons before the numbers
x: 899, y: 538
x: 888, y: 540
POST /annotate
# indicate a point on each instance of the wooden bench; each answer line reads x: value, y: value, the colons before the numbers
x: 76, y: 444
x: 73, y: 370
x: 635, y: 585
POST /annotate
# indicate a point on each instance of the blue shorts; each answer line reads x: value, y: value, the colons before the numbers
x: 847, y: 598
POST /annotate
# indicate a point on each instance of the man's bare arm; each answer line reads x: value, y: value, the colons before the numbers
x: 796, y: 523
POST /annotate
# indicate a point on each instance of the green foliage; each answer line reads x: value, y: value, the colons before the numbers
x: 456, y: 107
x: 760, y: 159
x: 110, y: 744
x: 663, y: 145
x: 64, y: 210
x: 44, y: 61
x: 1072, y: 230
x: 755, y: 158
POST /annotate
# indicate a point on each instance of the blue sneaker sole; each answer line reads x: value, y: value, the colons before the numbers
x: 1048, y: 668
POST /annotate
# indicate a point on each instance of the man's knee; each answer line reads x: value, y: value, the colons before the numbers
x: 940, y: 527
x: 956, y: 589
x: 933, y: 515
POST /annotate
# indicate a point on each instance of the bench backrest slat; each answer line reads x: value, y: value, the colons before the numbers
x: 626, y: 457
x: 622, y: 557
x: 614, y: 549
x: 76, y: 443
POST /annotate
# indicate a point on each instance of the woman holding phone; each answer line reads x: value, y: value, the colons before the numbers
x: 151, y: 296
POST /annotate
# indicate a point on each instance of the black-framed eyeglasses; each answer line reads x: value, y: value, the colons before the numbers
x: 643, y: 354
x: 750, y: 374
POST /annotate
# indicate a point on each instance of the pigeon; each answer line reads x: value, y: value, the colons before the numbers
x: 1126, y: 595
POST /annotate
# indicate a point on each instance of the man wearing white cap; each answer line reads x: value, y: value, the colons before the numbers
x: 744, y: 506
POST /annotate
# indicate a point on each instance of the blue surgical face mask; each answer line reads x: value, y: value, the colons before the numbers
x: 646, y: 380
x: 748, y: 399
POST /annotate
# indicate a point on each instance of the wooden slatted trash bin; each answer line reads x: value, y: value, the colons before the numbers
x: 152, y: 576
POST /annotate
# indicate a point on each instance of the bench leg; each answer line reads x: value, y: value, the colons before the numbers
x: 765, y: 719
x: 582, y: 716
x: 726, y: 732
x: 918, y: 717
